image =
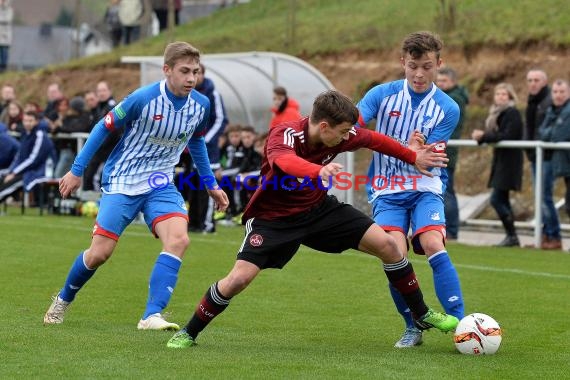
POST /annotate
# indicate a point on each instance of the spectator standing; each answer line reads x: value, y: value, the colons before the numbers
x: 556, y: 128
x: 447, y: 81
x: 201, y: 212
x: 6, y: 17
x: 131, y: 14
x: 113, y: 22
x: 284, y: 108
x: 160, y: 8
x: 539, y: 100
x: 504, y: 123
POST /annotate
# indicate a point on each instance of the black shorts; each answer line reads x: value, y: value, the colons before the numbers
x: 331, y: 227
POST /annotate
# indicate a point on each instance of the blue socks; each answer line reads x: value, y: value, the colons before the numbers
x: 446, y: 283
x: 78, y: 275
x: 162, y: 282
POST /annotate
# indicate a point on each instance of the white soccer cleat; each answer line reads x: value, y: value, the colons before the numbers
x: 412, y: 337
x: 156, y: 322
x: 56, y: 311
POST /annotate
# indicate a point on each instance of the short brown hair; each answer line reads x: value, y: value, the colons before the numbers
x: 34, y: 114
x: 248, y: 128
x: 230, y: 128
x: 420, y: 43
x: 280, y: 91
x: 334, y: 108
x: 179, y: 49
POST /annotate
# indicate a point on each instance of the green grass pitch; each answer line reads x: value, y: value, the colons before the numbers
x: 322, y: 317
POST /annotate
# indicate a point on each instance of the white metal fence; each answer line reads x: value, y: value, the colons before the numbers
x: 539, y: 147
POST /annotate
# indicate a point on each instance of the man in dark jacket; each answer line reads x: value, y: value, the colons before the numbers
x: 29, y: 165
x: 447, y: 81
x: 556, y: 128
x: 539, y: 100
x: 201, y: 212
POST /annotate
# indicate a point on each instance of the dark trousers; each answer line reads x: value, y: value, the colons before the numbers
x: 200, y: 212
x: 451, y: 206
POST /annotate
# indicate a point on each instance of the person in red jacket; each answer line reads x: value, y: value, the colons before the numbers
x: 284, y: 108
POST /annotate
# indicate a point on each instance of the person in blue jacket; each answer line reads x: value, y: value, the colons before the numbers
x: 28, y: 167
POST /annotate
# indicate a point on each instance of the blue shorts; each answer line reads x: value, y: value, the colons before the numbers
x: 117, y: 211
x: 422, y: 210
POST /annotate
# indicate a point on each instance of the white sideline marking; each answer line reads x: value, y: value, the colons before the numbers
x: 510, y: 270
x: 482, y: 268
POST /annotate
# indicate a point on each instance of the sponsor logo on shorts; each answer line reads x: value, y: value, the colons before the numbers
x: 255, y: 240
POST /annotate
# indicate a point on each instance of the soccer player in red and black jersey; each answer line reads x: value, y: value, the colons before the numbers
x: 292, y: 207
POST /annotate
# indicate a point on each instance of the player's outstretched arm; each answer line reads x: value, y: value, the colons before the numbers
x: 68, y: 184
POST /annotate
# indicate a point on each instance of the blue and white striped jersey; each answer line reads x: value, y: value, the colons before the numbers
x: 155, y: 134
x: 399, y: 112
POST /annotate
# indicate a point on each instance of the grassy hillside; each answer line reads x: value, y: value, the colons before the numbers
x: 332, y: 26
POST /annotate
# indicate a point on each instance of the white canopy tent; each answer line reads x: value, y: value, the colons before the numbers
x: 246, y: 82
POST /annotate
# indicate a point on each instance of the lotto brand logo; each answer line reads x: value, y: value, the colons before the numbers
x: 109, y: 121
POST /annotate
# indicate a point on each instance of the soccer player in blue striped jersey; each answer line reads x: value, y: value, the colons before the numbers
x: 159, y: 121
x: 401, y: 196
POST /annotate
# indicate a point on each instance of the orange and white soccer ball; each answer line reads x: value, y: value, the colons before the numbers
x: 478, y: 334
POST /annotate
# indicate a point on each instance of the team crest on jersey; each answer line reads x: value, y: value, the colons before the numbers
x: 434, y: 215
x: 157, y: 117
x: 395, y: 113
x: 256, y: 240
